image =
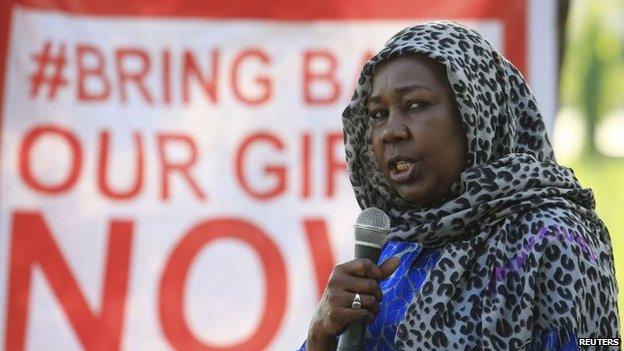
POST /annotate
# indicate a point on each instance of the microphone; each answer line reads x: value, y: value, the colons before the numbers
x: 371, y: 232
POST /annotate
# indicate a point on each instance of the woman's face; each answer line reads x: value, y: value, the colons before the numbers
x: 418, y: 139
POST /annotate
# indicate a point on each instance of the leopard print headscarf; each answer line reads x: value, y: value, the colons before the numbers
x: 521, y: 247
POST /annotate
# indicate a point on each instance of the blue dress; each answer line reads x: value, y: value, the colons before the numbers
x: 402, y: 286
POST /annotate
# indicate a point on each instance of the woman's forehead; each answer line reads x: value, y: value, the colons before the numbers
x: 408, y: 72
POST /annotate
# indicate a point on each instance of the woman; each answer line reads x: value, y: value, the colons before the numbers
x: 498, y: 247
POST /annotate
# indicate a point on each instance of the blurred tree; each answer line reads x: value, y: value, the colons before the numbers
x: 592, y: 73
x: 591, y: 84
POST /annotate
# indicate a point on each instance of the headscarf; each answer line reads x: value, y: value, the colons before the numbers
x: 521, y: 247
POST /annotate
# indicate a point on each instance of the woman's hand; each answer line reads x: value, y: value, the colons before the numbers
x: 334, y: 311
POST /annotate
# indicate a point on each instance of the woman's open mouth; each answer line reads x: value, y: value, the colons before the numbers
x: 405, y: 171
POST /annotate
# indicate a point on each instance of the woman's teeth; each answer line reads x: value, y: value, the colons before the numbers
x: 402, y: 166
x: 405, y: 171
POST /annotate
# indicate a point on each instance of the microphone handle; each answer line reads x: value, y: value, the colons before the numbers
x: 352, y: 339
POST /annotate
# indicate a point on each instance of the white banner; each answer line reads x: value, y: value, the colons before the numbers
x: 179, y: 182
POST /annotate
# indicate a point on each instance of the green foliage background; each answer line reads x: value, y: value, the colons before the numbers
x: 592, y: 82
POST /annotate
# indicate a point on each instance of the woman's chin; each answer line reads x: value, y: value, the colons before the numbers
x: 414, y: 194
x: 422, y: 193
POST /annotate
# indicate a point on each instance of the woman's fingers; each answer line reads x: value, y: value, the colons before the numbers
x: 363, y: 286
x: 388, y: 267
x: 359, y: 276
x: 336, y: 313
x: 341, y: 281
x: 362, y: 267
x: 369, y: 302
x: 361, y: 315
x: 362, y: 276
x: 345, y: 299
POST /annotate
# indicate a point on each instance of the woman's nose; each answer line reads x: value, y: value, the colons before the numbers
x: 394, y: 129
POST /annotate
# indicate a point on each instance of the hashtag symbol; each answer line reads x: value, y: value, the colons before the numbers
x: 43, y: 75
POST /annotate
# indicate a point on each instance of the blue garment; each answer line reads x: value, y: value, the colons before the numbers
x: 402, y: 286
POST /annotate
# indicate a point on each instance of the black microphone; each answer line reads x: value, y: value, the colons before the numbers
x: 371, y: 232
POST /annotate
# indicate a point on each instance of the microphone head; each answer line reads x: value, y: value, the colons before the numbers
x: 372, y: 227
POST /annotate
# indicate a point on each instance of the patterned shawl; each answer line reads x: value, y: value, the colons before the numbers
x: 521, y: 246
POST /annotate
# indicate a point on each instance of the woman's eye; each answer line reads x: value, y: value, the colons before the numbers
x: 415, y: 105
x: 377, y: 114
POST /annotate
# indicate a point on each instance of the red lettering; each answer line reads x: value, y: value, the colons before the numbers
x: 190, y: 70
x: 173, y: 284
x: 32, y: 245
x: 183, y: 167
x: 306, y: 167
x: 263, y: 81
x: 320, y: 250
x: 278, y: 171
x: 105, y: 188
x: 137, y: 76
x: 166, y: 77
x: 312, y: 77
x: 333, y: 141
x: 24, y: 160
x: 95, y: 72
